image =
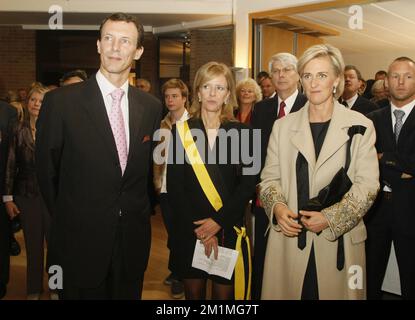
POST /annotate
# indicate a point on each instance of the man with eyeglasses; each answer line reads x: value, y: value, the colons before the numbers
x: 284, y: 75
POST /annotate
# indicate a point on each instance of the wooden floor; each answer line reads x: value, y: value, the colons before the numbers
x: 157, y: 271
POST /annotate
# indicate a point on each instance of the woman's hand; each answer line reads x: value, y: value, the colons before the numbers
x: 207, y: 229
x: 12, y: 209
x: 211, y: 244
x: 314, y: 221
x: 286, y: 220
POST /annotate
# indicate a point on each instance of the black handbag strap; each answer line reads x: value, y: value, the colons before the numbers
x: 303, y: 191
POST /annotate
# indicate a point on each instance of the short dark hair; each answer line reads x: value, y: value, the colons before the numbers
x: 120, y: 16
x: 381, y: 72
x: 351, y: 67
x: 81, y: 74
x: 404, y: 59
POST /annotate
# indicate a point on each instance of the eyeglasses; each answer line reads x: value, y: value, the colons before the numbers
x: 283, y: 70
x: 209, y: 87
x: 321, y: 76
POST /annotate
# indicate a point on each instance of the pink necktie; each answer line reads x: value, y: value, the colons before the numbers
x: 118, y: 128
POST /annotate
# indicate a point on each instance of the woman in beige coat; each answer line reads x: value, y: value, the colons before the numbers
x: 316, y: 138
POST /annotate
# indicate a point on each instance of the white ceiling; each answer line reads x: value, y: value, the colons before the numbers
x: 155, y: 20
x: 387, y: 27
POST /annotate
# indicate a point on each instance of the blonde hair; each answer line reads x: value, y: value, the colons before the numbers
x: 36, y: 88
x: 335, y: 57
x: 248, y: 82
x: 206, y: 73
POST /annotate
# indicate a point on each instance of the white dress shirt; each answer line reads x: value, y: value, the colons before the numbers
x: 289, y: 102
x: 106, y: 88
x: 352, y: 100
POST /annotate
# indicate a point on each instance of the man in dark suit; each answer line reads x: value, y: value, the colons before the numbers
x: 392, y: 218
x: 350, y: 97
x: 94, y: 144
x: 8, y: 114
x: 283, y: 70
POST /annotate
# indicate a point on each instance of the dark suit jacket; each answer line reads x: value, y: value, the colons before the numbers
x: 188, y: 200
x: 397, y: 159
x: 20, y: 177
x: 80, y: 179
x: 8, y: 115
x: 364, y: 105
x: 264, y: 116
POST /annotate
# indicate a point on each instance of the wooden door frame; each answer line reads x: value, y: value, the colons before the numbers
x: 294, y: 10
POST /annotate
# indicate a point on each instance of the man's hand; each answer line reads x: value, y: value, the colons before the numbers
x: 12, y: 209
x: 207, y: 229
x: 314, y: 221
x: 286, y: 220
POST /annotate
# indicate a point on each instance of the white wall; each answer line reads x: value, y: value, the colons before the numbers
x: 369, y: 63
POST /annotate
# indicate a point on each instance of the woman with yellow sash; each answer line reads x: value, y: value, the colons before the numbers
x: 209, y: 184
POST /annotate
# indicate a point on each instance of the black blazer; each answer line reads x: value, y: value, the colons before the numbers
x: 8, y: 116
x: 364, y: 105
x: 188, y: 200
x: 80, y: 178
x: 264, y: 115
x: 20, y: 177
x: 397, y: 158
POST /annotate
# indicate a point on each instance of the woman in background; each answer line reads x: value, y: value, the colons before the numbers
x: 22, y: 192
x: 248, y: 93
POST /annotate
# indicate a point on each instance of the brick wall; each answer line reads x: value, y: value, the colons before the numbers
x: 17, y: 58
x: 210, y: 45
x: 149, y: 61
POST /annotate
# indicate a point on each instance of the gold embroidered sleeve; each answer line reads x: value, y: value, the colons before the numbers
x: 270, y: 196
x: 346, y: 214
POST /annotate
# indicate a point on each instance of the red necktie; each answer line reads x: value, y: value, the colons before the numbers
x: 281, y: 112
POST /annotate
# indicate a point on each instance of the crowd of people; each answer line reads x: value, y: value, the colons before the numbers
x: 323, y: 160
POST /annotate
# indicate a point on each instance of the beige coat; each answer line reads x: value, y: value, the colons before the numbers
x: 285, y: 264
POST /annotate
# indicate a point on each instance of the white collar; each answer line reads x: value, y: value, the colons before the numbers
x: 107, y: 87
x: 406, y: 108
x: 289, y: 102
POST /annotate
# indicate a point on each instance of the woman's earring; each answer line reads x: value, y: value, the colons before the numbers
x: 200, y: 100
x: 334, y: 90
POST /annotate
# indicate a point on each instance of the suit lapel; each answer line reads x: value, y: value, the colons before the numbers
x: 387, y: 125
x: 136, y: 112
x: 336, y: 136
x: 302, y: 138
x: 299, y: 102
x: 95, y: 106
x: 408, y: 126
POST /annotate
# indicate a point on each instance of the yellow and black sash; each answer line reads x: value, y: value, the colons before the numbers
x: 242, y: 291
